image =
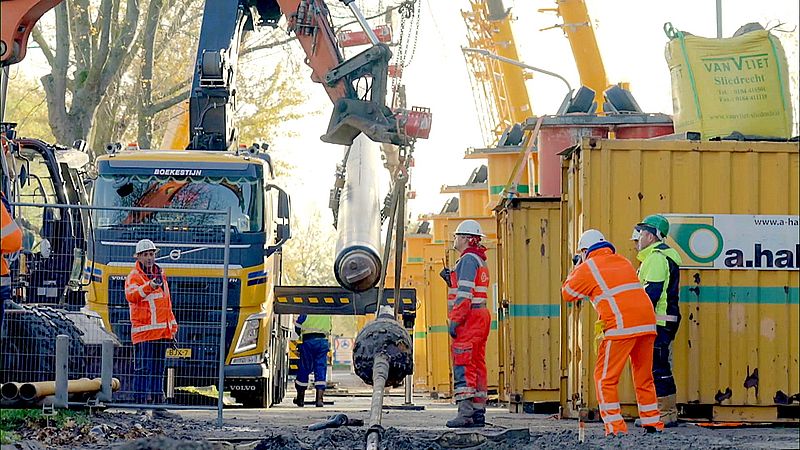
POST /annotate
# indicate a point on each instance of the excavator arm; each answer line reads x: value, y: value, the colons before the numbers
x: 212, y: 101
x: 18, y: 18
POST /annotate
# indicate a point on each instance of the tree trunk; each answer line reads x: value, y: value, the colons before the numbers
x: 145, y: 115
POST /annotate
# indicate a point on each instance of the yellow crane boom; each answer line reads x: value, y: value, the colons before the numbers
x: 500, y: 87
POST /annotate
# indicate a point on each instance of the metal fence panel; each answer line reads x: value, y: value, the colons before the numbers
x: 71, y: 279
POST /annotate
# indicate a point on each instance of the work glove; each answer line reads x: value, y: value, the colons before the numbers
x: 598, y: 333
x: 174, y: 344
x: 445, y: 274
x: 452, y: 329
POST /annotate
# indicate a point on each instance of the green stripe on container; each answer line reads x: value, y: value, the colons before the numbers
x: 772, y: 295
x: 416, y: 259
x: 534, y: 310
x: 443, y: 328
x: 496, y: 190
x: 420, y: 335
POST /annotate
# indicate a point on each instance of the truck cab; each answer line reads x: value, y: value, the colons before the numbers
x: 191, y: 253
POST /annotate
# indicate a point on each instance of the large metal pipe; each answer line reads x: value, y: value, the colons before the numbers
x: 10, y: 391
x: 358, y: 265
x: 31, y: 391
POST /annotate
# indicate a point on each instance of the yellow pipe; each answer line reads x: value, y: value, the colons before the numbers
x: 31, y: 391
x: 580, y: 33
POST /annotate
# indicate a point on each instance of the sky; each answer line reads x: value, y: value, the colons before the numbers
x: 631, y: 40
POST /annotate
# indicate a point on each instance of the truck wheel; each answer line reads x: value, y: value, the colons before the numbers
x: 77, y: 350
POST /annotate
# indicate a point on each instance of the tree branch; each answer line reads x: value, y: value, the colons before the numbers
x: 169, y: 102
x: 122, y: 45
x: 38, y: 37
x: 105, y: 16
x: 81, y: 32
x: 267, y: 45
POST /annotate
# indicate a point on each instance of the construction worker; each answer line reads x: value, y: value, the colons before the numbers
x: 153, y: 324
x: 629, y: 328
x: 659, y: 273
x: 10, y: 242
x: 469, y: 325
x: 314, y: 331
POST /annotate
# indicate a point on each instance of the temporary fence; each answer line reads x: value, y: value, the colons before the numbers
x: 70, y: 279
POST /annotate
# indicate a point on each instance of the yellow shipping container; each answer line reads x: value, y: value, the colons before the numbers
x: 736, y: 353
x: 435, y: 311
x: 529, y: 233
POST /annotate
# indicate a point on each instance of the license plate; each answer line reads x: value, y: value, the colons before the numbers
x: 179, y: 353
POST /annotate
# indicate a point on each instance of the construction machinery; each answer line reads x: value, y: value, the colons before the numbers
x: 47, y: 289
x: 216, y: 170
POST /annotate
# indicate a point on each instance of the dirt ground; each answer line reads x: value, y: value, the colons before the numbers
x: 285, y: 427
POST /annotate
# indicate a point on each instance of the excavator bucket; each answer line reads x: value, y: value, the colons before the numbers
x: 351, y: 117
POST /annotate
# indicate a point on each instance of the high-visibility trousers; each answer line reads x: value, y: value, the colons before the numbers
x: 469, y: 357
x: 610, y: 361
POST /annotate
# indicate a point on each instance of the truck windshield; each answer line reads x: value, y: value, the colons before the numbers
x: 243, y: 195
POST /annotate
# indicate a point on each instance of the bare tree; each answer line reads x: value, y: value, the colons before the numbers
x: 309, y: 254
x: 93, y: 44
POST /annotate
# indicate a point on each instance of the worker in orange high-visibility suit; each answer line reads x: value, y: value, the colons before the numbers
x: 469, y: 325
x: 10, y: 242
x: 629, y: 328
x: 153, y: 324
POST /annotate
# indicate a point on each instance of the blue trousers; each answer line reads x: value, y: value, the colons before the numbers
x: 313, y: 358
x: 662, y: 363
x: 148, y: 367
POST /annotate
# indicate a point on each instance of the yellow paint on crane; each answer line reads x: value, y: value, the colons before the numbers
x: 580, y: 33
x: 176, y: 136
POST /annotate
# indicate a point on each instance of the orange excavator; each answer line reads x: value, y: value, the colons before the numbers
x: 18, y: 18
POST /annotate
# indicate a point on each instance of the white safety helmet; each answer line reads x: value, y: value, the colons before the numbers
x: 144, y: 245
x: 469, y: 227
x: 589, y: 238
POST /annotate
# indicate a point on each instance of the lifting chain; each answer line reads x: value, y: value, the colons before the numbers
x: 409, y: 12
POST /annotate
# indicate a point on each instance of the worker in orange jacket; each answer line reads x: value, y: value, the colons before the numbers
x: 629, y: 328
x: 10, y: 242
x: 469, y: 325
x: 153, y: 324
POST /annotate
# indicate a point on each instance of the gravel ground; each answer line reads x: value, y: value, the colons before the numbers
x: 285, y: 427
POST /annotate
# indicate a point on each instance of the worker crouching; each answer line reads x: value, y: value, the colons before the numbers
x: 629, y: 328
x: 469, y: 325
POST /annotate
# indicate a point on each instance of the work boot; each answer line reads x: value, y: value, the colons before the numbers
x: 301, y: 393
x: 669, y: 411
x: 463, y: 418
x: 479, y: 416
x: 319, y: 402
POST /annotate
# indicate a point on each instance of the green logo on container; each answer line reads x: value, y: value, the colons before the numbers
x: 700, y: 242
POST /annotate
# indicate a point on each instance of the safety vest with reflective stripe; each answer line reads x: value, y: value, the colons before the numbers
x: 10, y: 242
x: 151, y: 309
x: 610, y: 282
x: 661, y: 268
x: 314, y: 324
x: 467, y: 291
